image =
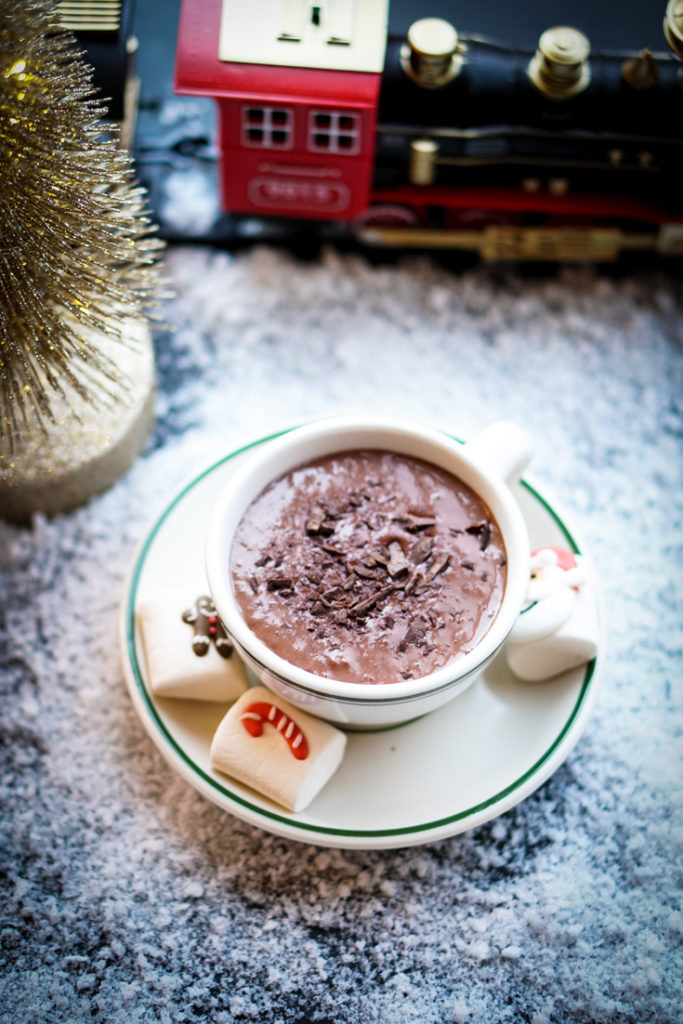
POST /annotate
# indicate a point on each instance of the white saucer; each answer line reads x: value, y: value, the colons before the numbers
x: 445, y: 773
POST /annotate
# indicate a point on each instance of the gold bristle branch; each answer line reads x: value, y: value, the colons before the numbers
x: 78, y: 253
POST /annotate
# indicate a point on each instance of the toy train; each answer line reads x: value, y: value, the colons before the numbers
x: 431, y: 136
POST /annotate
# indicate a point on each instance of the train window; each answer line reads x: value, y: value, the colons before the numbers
x: 267, y: 127
x: 333, y: 132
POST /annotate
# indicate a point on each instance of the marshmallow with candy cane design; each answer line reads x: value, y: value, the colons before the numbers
x: 276, y: 749
x: 260, y: 712
x: 557, y: 629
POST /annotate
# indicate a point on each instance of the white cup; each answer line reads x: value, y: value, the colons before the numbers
x: 488, y: 463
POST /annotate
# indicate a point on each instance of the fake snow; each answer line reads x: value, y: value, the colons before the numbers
x: 131, y: 899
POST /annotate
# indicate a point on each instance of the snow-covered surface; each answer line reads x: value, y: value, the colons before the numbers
x: 129, y: 898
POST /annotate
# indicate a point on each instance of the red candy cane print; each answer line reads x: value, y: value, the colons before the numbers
x: 261, y: 711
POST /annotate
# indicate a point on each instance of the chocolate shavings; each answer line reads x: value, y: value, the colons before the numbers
x: 398, y: 562
x: 421, y: 550
x: 415, y: 634
x: 279, y: 583
x: 332, y: 551
x: 441, y: 560
x: 365, y: 573
x: 412, y: 583
x: 361, y: 608
x: 483, y: 530
x: 413, y: 522
x: 318, y: 522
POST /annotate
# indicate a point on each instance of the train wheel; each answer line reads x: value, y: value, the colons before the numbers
x: 386, y: 215
x: 476, y: 220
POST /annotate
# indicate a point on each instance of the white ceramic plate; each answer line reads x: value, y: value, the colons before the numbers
x: 445, y: 773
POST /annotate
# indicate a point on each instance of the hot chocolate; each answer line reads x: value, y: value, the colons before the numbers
x: 368, y: 566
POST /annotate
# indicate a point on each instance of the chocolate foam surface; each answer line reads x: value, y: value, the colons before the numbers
x: 368, y: 566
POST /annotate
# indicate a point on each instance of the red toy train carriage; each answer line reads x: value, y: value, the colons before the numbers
x: 431, y: 137
x: 295, y: 141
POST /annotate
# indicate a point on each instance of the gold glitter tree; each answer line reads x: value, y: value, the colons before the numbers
x: 78, y: 263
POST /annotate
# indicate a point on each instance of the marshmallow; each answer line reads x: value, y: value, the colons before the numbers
x: 276, y: 749
x: 188, y: 655
x: 557, y: 630
x: 571, y: 645
x: 544, y: 617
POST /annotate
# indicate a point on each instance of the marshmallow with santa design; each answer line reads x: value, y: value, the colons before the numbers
x: 557, y: 630
x: 187, y: 652
x: 276, y: 749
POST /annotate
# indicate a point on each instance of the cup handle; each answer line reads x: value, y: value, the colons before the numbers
x: 503, y: 449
